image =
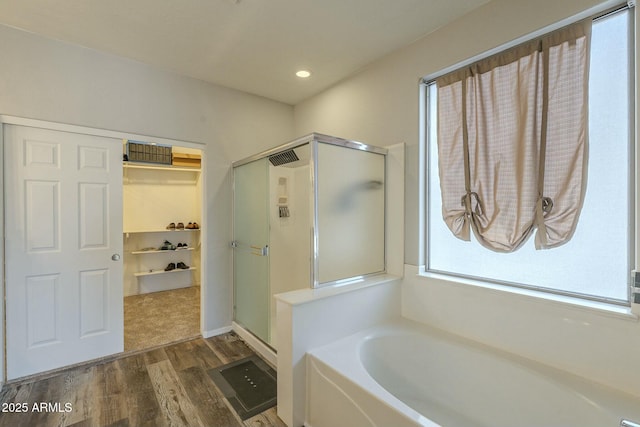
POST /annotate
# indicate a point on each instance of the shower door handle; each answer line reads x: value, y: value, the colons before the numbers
x: 252, y: 249
x: 261, y: 251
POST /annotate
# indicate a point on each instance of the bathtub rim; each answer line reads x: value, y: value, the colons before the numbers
x: 616, y: 401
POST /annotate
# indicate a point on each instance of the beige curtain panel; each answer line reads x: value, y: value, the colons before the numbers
x: 512, y: 142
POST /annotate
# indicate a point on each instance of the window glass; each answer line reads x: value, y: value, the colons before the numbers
x: 595, y: 262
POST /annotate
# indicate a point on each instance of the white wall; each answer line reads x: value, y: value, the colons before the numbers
x: 309, y: 318
x: 380, y: 106
x: 49, y: 80
x: 588, y: 342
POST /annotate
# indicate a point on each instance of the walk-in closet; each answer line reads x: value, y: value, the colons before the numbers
x: 162, y: 212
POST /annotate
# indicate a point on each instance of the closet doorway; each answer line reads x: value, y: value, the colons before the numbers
x: 162, y: 225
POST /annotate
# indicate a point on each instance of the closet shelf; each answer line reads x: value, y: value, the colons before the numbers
x: 157, y: 251
x: 161, y: 231
x: 133, y: 165
x: 159, y: 174
x: 154, y: 272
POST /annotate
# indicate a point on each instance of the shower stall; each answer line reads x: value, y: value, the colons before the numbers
x: 307, y: 214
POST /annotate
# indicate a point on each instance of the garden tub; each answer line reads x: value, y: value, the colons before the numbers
x: 407, y: 374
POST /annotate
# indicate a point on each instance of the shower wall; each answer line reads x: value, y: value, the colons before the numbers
x: 289, y: 236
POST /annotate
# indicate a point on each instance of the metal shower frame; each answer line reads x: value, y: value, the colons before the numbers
x: 313, y: 140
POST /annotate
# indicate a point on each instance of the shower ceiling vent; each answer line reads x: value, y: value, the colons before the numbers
x: 283, y: 158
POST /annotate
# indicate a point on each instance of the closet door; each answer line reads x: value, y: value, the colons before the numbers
x: 63, y: 248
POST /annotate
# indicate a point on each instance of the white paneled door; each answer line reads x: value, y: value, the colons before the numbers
x: 63, y: 205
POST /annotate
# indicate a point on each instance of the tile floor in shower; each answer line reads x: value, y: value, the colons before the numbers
x: 160, y: 318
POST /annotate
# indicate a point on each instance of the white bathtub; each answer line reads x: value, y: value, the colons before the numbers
x: 405, y: 374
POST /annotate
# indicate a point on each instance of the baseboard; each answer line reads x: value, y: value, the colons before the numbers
x: 214, y: 332
x: 266, y: 352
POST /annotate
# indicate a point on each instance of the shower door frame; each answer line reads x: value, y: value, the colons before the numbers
x: 315, y: 233
x: 313, y: 140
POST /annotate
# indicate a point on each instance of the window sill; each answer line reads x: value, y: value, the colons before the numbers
x: 610, y: 310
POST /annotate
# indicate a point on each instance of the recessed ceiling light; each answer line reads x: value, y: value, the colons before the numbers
x: 303, y: 74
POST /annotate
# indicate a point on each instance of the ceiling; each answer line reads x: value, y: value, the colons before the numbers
x: 252, y: 45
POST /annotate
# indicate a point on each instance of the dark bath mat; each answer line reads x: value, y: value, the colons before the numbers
x: 249, y: 384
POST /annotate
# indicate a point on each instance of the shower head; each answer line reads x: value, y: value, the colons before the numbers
x: 283, y: 158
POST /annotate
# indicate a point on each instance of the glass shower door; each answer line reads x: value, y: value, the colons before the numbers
x: 251, y: 247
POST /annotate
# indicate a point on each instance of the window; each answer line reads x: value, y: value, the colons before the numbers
x: 595, y: 263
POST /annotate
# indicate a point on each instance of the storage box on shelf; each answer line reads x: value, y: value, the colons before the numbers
x: 140, y: 151
x: 188, y: 160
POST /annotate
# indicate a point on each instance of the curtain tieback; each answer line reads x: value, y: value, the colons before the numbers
x: 545, y: 204
x: 466, y: 201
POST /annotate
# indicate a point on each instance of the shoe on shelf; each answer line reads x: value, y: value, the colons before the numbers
x: 180, y: 226
x: 182, y: 265
x: 189, y: 226
x: 195, y: 226
x: 171, y: 266
x: 171, y: 226
x: 182, y: 246
x: 167, y: 246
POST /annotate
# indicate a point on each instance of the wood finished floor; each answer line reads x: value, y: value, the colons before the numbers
x: 166, y: 386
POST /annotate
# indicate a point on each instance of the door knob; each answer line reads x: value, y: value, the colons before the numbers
x: 115, y: 257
